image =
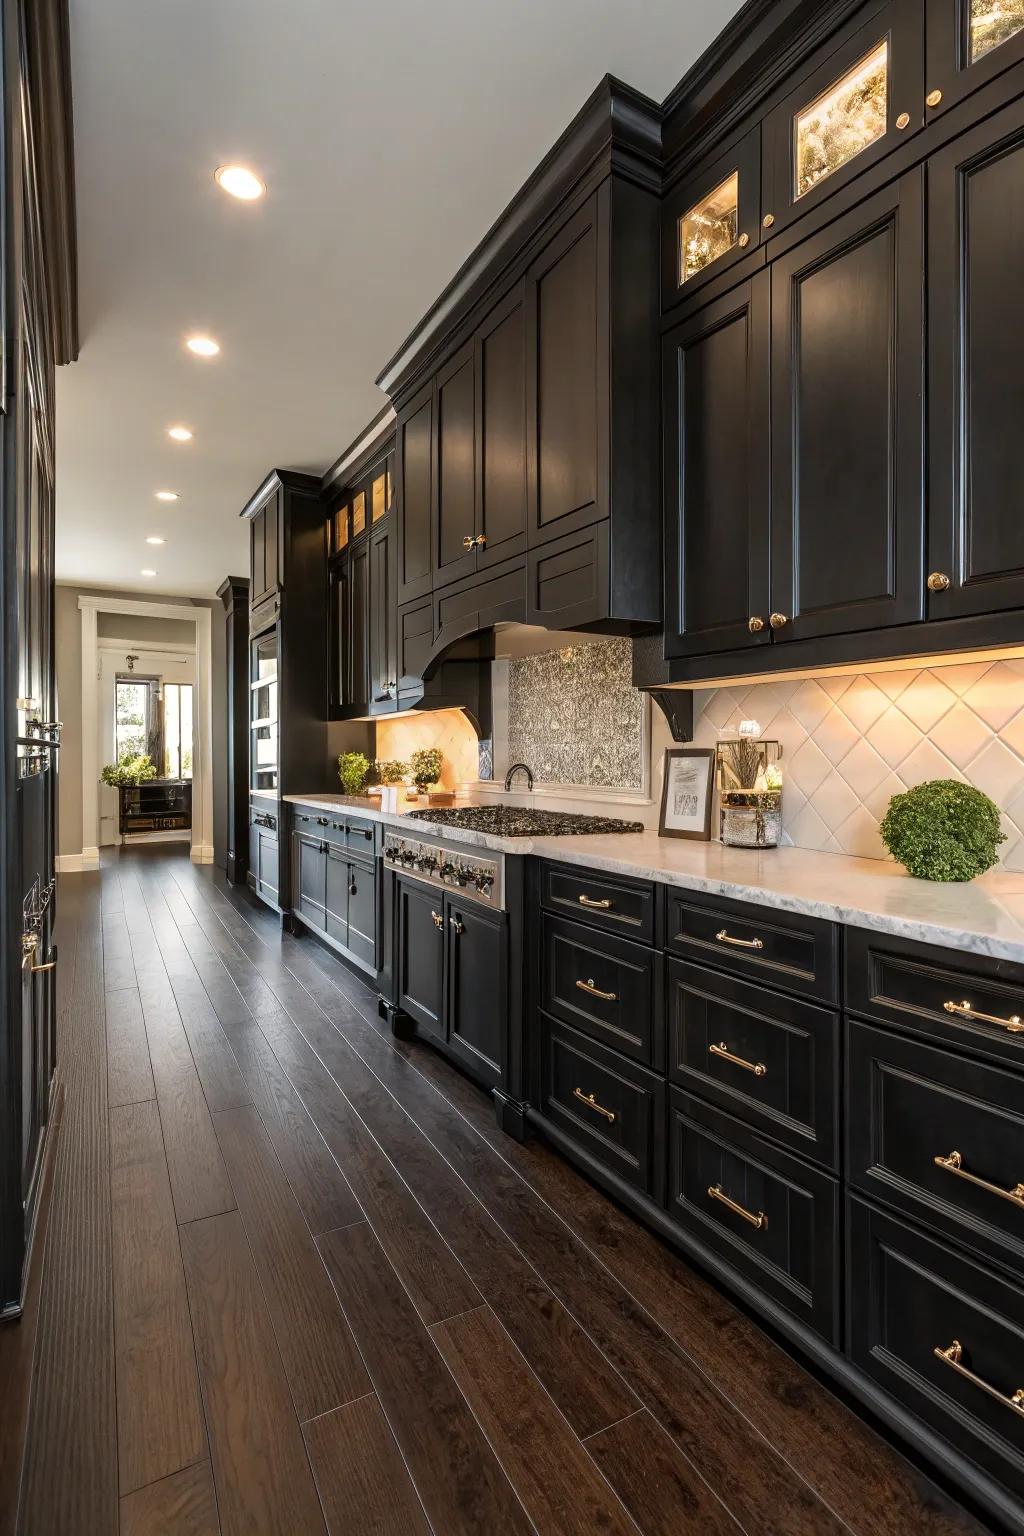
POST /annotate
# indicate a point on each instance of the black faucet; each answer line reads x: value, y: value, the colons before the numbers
x: 513, y: 771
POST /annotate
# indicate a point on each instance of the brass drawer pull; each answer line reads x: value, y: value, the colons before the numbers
x: 724, y: 937
x: 760, y: 1221
x: 954, y: 1164
x: 588, y: 986
x: 953, y: 1357
x: 757, y: 1067
x: 438, y: 919
x: 591, y: 1103
x: 587, y: 901
x: 1015, y: 1024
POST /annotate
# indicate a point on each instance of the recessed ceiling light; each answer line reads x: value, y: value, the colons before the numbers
x: 240, y: 182
x: 203, y: 346
x: 146, y: 571
x: 154, y: 540
x: 180, y: 434
x: 167, y: 496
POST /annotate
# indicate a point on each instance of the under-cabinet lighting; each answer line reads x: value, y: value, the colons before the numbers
x: 851, y: 668
x: 203, y: 346
x: 240, y: 182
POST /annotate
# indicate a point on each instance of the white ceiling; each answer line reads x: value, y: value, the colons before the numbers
x: 390, y: 137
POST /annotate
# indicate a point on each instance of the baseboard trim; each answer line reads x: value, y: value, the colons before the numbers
x: 76, y: 863
x: 201, y: 853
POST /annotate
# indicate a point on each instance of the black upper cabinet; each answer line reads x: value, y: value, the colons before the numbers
x: 712, y: 220
x: 716, y: 382
x: 265, y: 547
x: 363, y: 608
x: 969, y: 44
x: 847, y: 361
x: 859, y: 98
x: 976, y: 383
x: 500, y: 365
x: 415, y: 473
x: 358, y: 670
x: 454, y: 502
x: 383, y: 616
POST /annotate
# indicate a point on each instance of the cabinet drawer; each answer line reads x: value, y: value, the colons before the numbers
x: 914, y: 1296
x: 786, y: 948
x: 605, y: 986
x: 926, y: 989
x: 359, y: 836
x: 771, y: 1217
x: 769, y: 1059
x: 916, y: 1105
x: 611, y: 1108
x: 613, y: 902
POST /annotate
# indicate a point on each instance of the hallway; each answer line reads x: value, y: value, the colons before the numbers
x: 242, y: 1146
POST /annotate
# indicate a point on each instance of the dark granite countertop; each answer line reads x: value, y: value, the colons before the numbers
x: 523, y: 821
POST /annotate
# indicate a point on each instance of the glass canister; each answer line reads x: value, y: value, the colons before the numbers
x: 749, y: 788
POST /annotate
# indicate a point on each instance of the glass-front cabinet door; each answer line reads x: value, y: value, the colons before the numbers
x: 712, y: 220
x: 857, y: 101
x: 263, y: 713
x: 970, y: 43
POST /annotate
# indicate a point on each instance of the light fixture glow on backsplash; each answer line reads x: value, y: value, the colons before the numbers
x: 852, y: 742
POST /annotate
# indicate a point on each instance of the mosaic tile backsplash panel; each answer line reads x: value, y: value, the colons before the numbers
x: 575, y: 716
x: 851, y: 743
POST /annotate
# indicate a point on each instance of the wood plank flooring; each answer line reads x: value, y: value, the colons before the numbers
x: 296, y: 1281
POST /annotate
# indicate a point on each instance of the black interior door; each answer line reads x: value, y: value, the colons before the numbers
x: 420, y: 958
x: 717, y: 475
x: 476, y: 988
x: 976, y: 379
x: 847, y: 472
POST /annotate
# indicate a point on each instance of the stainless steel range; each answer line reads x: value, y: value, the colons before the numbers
x: 437, y: 861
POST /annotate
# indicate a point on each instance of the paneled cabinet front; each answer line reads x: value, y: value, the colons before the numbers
x: 265, y: 551
x: 970, y: 43
x: 333, y: 891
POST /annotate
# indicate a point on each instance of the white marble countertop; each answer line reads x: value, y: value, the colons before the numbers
x: 983, y: 917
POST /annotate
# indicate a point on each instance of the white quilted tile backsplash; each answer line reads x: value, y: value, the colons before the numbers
x: 851, y: 743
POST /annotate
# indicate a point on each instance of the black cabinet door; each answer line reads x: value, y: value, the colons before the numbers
x: 272, y: 544
x: 847, y: 357
x: 338, y: 633
x: 501, y: 431
x: 336, y: 894
x: 712, y: 220
x: 414, y: 470
x: 268, y: 867
x: 358, y: 694
x: 476, y: 988
x: 567, y: 377
x: 257, y: 557
x: 362, y: 912
x: 420, y: 957
x: 309, y: 878
x: 717, y: 475
x: 383, y: 620
x: 969, y: 45
x: 454, y: 519
x: 976, y: 379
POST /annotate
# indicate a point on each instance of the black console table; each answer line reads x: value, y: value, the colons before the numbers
x: 160, y: 805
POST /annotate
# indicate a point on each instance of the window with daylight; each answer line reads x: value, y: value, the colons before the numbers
x: 177, y: 731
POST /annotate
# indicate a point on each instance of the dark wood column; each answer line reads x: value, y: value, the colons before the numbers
x: 234, y: 594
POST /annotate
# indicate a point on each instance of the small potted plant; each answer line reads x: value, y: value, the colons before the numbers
x: 943, y: 830
x: 353, y: 772
x: 389, y: 773
x: 130, y: 769
x: 426, y: 764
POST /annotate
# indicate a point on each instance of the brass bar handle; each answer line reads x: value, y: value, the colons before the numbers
x: 758, y: 1220
x: 588, y: 987
x: 954, y: 1163
x: 438, y: 919
x: 1015, y: 1024
x: 591, y: 1103
x: 721, y: 1049
x: 953, y: 1357
x: 725, y: 937
x: 588, y: 901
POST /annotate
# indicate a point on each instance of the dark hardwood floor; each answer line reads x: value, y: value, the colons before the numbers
x: 296, y: 1280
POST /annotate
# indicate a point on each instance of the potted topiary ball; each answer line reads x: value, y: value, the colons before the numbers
x: 943, y: 830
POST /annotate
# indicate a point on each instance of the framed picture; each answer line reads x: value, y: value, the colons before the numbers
x: 687, y: 795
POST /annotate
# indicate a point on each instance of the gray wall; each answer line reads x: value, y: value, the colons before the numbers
x: 68, y: 627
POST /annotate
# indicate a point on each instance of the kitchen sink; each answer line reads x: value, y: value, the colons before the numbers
x: 523, y: 821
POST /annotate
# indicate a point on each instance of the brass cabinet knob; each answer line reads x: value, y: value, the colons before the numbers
x: 777, y: 620
x: 481, y: 540
x: 938, y: 581
x: 468, y: 541
x: 768, y: 220
x: 755, y: 624
x: 933, y: 98
x: 903, y: 121
x: 743, y: 241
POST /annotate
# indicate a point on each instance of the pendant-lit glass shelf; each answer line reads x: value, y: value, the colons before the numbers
x: 709, y: 228
x: 993, y: 22
x: 842, y: 122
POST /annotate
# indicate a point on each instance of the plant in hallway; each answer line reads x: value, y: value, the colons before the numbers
x: 389, y: 771
x: 943, y: 830
x: 353, y: 772
x: 130, y: 768
x: 426, y: 764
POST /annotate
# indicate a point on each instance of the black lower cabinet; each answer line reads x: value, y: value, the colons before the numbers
x: 944, y: 1337
x: 773, y: 1219
x: 264, y: 869
x: 335, y: 894
x: 451, y: 969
